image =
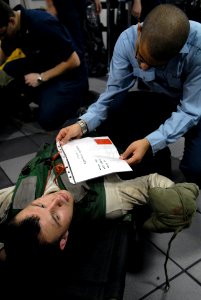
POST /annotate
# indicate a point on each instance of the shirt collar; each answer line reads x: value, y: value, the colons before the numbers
x: 184, y: 49
x: 191, y: 37
x: 147, y: 75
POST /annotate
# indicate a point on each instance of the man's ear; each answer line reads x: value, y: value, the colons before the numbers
x: 63, y: 240
x: 12, y: 20
x: 139, y: 28
x: 2, y: 254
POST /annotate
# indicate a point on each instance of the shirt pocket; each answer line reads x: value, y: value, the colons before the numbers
x: 170, y: 80
x: 174, y: 80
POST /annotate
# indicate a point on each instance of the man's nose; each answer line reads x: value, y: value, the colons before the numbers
x: 56, y: 203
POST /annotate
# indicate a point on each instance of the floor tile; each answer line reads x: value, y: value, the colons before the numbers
x: 9, y: 132
x: 12, y: 167
x: 199, y: 202
x: 182, y: 287
x: 177, y: 148
x: 29, y: 128
x: 186, y: 247
x: 16, y: 147
x: 177, y: 175
x: 41, y: 138
x: 4, y: 180
x: 150, y: 276
x: 195, y: 271
x: 97, y: 85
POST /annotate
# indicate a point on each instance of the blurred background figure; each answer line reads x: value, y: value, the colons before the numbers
x: 96, y: 53
x: 82, y: 20
x: 140, y: 8
x: 51, y: 72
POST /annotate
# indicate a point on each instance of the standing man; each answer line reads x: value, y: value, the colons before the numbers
x: 165, y: 52
x: 51, y: 69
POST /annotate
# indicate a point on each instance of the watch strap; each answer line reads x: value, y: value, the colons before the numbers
x: 40, y: 79
x: 83, y: 126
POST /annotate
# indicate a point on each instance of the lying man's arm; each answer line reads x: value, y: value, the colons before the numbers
x: 123, y: 195
x: 5, y: 202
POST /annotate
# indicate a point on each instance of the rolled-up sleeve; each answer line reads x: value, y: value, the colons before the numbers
x: 121, y: 78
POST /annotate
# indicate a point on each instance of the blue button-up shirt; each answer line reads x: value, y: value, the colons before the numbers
x: 180, y: 78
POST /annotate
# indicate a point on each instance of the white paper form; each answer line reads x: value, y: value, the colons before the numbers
x: 91, y: 157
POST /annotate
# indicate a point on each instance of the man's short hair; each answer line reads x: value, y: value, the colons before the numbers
x: 165, y: 31
x: 28, y: 258
x: 24, y: 245
x: 5, y: 13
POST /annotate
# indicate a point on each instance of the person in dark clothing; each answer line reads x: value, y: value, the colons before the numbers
x: 52, y: 69
x: 78, y: 17
x: 72, y: 15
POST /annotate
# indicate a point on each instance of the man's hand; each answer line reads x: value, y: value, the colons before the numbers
x: 98, y: 6
x: 70, y: 132
x: 2, y: 254
x: 136, y: 151
x: 32, y: 79
x: 136, y: 8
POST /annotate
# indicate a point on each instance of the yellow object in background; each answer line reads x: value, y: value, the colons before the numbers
x: 17, y: 53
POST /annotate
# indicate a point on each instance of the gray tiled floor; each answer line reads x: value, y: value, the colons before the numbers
x: 19, y: 142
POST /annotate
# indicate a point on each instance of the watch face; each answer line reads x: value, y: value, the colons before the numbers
x: 40, y: 79
x: 83, y: 126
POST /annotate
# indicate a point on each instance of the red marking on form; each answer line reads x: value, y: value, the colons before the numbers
x: 103, y: 141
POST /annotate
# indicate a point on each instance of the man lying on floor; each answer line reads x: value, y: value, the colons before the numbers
x: 38, y: 211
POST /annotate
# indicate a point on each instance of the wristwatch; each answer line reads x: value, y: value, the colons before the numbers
x: 83, y: 126
x: 40, y: 79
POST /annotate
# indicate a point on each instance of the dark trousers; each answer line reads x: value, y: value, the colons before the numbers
x: 134, y: 115
x: 191, y: 161
x: 59, y: 99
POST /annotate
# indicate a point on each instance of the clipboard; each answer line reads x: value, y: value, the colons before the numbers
x: 91, y: 157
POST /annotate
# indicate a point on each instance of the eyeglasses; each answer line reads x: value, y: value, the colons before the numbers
x: 139, y: 57
x: 137, y: 45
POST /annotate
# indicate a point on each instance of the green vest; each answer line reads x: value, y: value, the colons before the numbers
x: 90, y: 199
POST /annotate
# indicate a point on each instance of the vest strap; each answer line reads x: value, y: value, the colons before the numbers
x: 25, y: 192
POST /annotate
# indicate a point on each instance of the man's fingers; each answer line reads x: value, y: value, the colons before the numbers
x: 128, y: 152
x: 61, y: 135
